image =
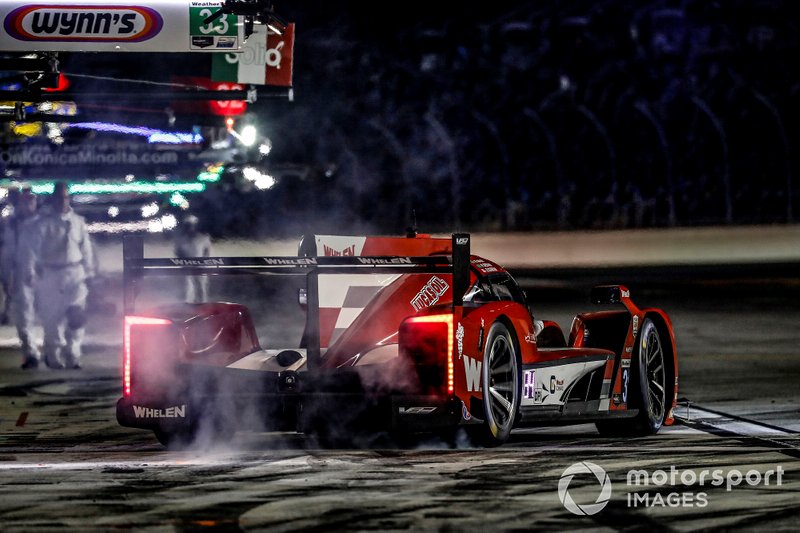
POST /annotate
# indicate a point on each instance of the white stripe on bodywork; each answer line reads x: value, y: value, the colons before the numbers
x: 347, y: 316
x: 603, y: 405
x: 605, y: 390
x: 570, y: 373
x: 333, y: 288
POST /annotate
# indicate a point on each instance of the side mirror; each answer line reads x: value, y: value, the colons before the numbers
x: 609, y: 294
x: 302, y: 297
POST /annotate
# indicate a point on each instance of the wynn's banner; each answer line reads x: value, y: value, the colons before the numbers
x: 117, y: 26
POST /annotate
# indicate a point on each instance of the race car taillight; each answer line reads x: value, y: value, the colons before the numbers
x: 131, y: 323
x: 428, y: 342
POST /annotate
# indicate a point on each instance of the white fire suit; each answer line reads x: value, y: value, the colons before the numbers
x: 60, y: 251
x: 17, y: 232
x: 194, y: 245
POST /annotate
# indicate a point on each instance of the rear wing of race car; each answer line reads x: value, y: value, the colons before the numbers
x: 136, y: 266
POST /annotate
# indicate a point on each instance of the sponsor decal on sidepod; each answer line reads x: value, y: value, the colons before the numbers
x: 430, y: 293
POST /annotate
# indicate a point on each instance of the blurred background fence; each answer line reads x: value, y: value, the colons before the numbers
x: 524, y: 116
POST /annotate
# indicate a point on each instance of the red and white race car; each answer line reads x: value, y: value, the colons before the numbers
x: 404, y: 335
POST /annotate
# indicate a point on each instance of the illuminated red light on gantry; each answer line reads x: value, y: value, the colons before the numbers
x: 131, y: 321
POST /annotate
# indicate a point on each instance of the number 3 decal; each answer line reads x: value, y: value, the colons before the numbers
x: 625, y: 386
x: 205, y: 29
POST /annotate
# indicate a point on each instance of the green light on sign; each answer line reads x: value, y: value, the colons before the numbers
x: 212, y: 174
x: 42, y: 188
x: 179, y: 200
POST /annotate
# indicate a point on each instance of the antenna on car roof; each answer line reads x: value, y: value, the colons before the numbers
x: 411, y: 231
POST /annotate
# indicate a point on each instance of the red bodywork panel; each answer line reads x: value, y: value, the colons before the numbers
x: 625, y: 322
x: 338, y: 246
x: 214, y: 334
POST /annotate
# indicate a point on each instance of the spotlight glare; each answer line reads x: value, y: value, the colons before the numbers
x: 248, y: 135
x: 149, y: 210
x: 168, y: 222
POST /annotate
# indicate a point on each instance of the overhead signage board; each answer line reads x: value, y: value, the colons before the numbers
x: 117, y: 26
x: 265, y: 59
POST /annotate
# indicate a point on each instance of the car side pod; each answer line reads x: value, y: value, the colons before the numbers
x: 609, y: 294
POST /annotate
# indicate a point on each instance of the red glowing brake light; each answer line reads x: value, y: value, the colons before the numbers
x: 447, y: 321
x: 131, y: 321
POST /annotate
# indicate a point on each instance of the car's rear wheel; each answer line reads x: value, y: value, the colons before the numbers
x: 647, y: 390
x: 502, y: 387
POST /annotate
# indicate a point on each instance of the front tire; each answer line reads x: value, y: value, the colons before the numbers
x: 648, y: 389
x: 502, y: 387
x: 652, y: 380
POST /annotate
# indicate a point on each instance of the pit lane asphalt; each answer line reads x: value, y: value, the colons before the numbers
x: 66, y: 463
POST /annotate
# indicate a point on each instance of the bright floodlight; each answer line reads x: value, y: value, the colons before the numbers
x: 250, y: 173
x: 260, y: 180
x: 265, y: 181
x: 149, y: 210
x: 248, y: 135
x: 169, y: 222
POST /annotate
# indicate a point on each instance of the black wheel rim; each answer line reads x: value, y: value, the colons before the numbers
x: 501, y: 388
x: 654, y: 366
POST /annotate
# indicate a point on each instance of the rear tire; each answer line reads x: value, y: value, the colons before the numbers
x: 647, y: 391
x: 502, y: 387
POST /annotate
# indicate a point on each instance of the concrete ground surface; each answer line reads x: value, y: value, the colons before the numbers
x: 66, y: 464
